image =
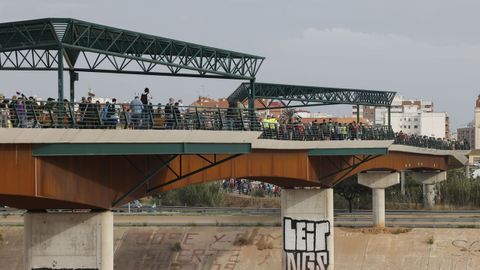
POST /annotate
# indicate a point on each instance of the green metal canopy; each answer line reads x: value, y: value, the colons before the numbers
x: 301, y: 96
x: 32, y: 45
x: 43, y: 44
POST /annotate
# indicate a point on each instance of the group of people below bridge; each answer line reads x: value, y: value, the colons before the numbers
x: 140, y: 113
x: 249, y: 187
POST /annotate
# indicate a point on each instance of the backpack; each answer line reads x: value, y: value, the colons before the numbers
x: 144, y: 98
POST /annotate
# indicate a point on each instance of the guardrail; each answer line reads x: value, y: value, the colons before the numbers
x: 49, y: 114
x: 321, y: 132
x: 430, y: 142
x: 135, y: 115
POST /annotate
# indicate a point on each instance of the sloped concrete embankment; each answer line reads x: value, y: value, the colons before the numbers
x: 260, y: 248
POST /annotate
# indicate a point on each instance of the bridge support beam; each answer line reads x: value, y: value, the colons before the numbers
x: 378, y: 182
x: 307, y: 216
x: 428, y: 180
x: 69, y: 240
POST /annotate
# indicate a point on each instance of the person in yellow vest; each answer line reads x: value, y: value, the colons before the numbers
x: 269, y: 122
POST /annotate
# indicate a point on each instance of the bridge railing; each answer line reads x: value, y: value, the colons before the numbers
x: 314, y: 132
x: 51, y: 114
x: 430, y: 142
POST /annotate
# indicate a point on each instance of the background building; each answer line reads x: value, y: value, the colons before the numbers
x: 415, y: 117
x: 471, y: 132
x: 467, y: 133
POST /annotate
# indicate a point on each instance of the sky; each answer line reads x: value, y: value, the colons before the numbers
x: 427, y: 49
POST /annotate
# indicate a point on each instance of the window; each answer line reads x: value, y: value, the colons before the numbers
x: 415, y: 126
x: 408, y: 126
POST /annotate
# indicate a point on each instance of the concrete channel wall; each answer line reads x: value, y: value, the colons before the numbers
x: 218, y: 248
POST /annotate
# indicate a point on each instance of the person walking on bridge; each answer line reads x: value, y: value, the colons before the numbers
x: 146, y: 98
x: 3, y: 111
x: 137, y: 107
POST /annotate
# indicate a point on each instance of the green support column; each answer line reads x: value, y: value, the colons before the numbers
x: 389, y: 116
x: 251, y: 96
x: 358, y: 113
x: 73, y: 78
x: 60, y: 87
x: 251, y: 104
x: 60, y: 74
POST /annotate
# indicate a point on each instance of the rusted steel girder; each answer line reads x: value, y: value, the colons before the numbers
x: 96, y: 181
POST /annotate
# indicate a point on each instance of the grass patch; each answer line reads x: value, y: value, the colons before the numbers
x: 400, y: 230
x: 470, y: 226
x: 377, y: 230
x: 430, y: 240
x: 176, y: 247
x: 241, y: 241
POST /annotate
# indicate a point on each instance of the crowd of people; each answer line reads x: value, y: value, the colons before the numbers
x: 20, y: 111
x: 14, y: 110
x: 325, y: 130
x: 249, y: 187
x: 140, y: 113
x: 431, y: 142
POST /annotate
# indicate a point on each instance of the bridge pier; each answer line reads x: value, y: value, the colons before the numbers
x: 428, y: 180
x: 307, y: 216
x: 378, y: 182
x: 69, y: 240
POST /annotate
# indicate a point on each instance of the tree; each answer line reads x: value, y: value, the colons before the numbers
x: 349, y: 189
x: 287, y: 116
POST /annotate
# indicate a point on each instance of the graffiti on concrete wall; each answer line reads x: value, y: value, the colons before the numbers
x: 305, y: 244
x: 199, y: 248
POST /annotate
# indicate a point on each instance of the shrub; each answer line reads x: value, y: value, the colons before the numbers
x: 240, y: 241
x: 176, y: 246
x: 258, y: 193
x: 458, y: 190
x: 207, y: 194
x: 430, y: 240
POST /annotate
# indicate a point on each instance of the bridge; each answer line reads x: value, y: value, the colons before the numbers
x: 57, y: 155
x: 100, y: 169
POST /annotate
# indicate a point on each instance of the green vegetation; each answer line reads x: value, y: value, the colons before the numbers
x: 351, y: 191
x: 241, y: 241
x: 258, y: 193
x: 467, y: 226
x: 208, y: 194
x: 430, y: 240
x: 400, y: 230
x: 455, y: 193
x: 459, y: 190
x: 176, y: 246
